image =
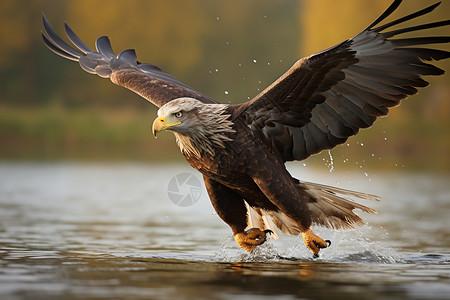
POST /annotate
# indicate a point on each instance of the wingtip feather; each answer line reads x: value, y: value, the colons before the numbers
x: 385, y: 14
x: 56, y: 44
x: 75, y: 39
x: 103, y: 45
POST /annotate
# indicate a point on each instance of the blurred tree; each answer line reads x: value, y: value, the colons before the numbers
x: 16, y: 57
x: 20, y: 51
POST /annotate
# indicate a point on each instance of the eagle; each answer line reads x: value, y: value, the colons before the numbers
x: 241, y: 149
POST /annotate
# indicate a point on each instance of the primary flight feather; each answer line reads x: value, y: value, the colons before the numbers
x: 317, y: 104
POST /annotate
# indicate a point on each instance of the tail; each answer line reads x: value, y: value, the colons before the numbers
x: 330, y: 207
x: 333, y: 207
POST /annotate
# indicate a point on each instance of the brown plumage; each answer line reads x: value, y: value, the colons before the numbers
x: 317, y: 104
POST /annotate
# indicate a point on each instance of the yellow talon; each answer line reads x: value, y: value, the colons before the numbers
x: 251, y: 238
x: 313, y: 242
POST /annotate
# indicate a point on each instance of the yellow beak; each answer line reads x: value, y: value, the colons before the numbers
x: 160, y: 124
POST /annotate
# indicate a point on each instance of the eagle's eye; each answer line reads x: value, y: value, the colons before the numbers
x: 178, y: 114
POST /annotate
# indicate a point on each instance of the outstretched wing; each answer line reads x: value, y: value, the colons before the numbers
x: 146, y: 80
x: 325, y: 98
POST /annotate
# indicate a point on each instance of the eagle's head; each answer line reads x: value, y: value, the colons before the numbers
x: 199, y: 128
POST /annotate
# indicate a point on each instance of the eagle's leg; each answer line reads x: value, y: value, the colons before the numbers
x: 230, y: 207
x: 251, y: 238
x: 282, y: 192
x: 314, y: 242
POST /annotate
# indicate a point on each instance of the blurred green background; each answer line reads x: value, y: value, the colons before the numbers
x: 50, y: 109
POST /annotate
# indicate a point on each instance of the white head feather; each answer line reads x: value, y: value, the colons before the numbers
x: 203, y: 128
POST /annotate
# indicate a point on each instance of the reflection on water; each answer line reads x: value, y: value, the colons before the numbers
x: 109, y: 231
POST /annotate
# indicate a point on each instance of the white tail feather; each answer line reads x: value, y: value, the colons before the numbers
x: 257, y: 218
x: 340, y: 191
x: 333, y: 208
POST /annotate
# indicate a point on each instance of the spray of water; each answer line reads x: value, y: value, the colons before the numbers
x: 348, y: 246
x: 331, y: 164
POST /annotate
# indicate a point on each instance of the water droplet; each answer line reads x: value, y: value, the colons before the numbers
x: 217, y: 70
x: 226, y: 92
x: 254, y: 61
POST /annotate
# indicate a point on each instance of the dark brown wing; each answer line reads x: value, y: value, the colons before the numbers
x: 327, y: 97
x: 146, y: 80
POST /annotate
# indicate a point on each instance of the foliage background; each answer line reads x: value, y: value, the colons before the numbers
x: 50, y: 109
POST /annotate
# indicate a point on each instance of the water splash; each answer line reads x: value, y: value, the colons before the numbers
x: 331, y: 164
x: 357, y: 246
x: 230, y: 252
x: 349, y: 246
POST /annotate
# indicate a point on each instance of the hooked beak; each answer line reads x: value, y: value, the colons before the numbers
x: 160, y: 124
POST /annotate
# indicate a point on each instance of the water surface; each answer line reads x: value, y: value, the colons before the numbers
x: 101, y: 231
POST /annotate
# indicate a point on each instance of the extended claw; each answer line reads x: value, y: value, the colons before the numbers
x: 268, y: 231
x: 251, y: 238
x: 314, y: 243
